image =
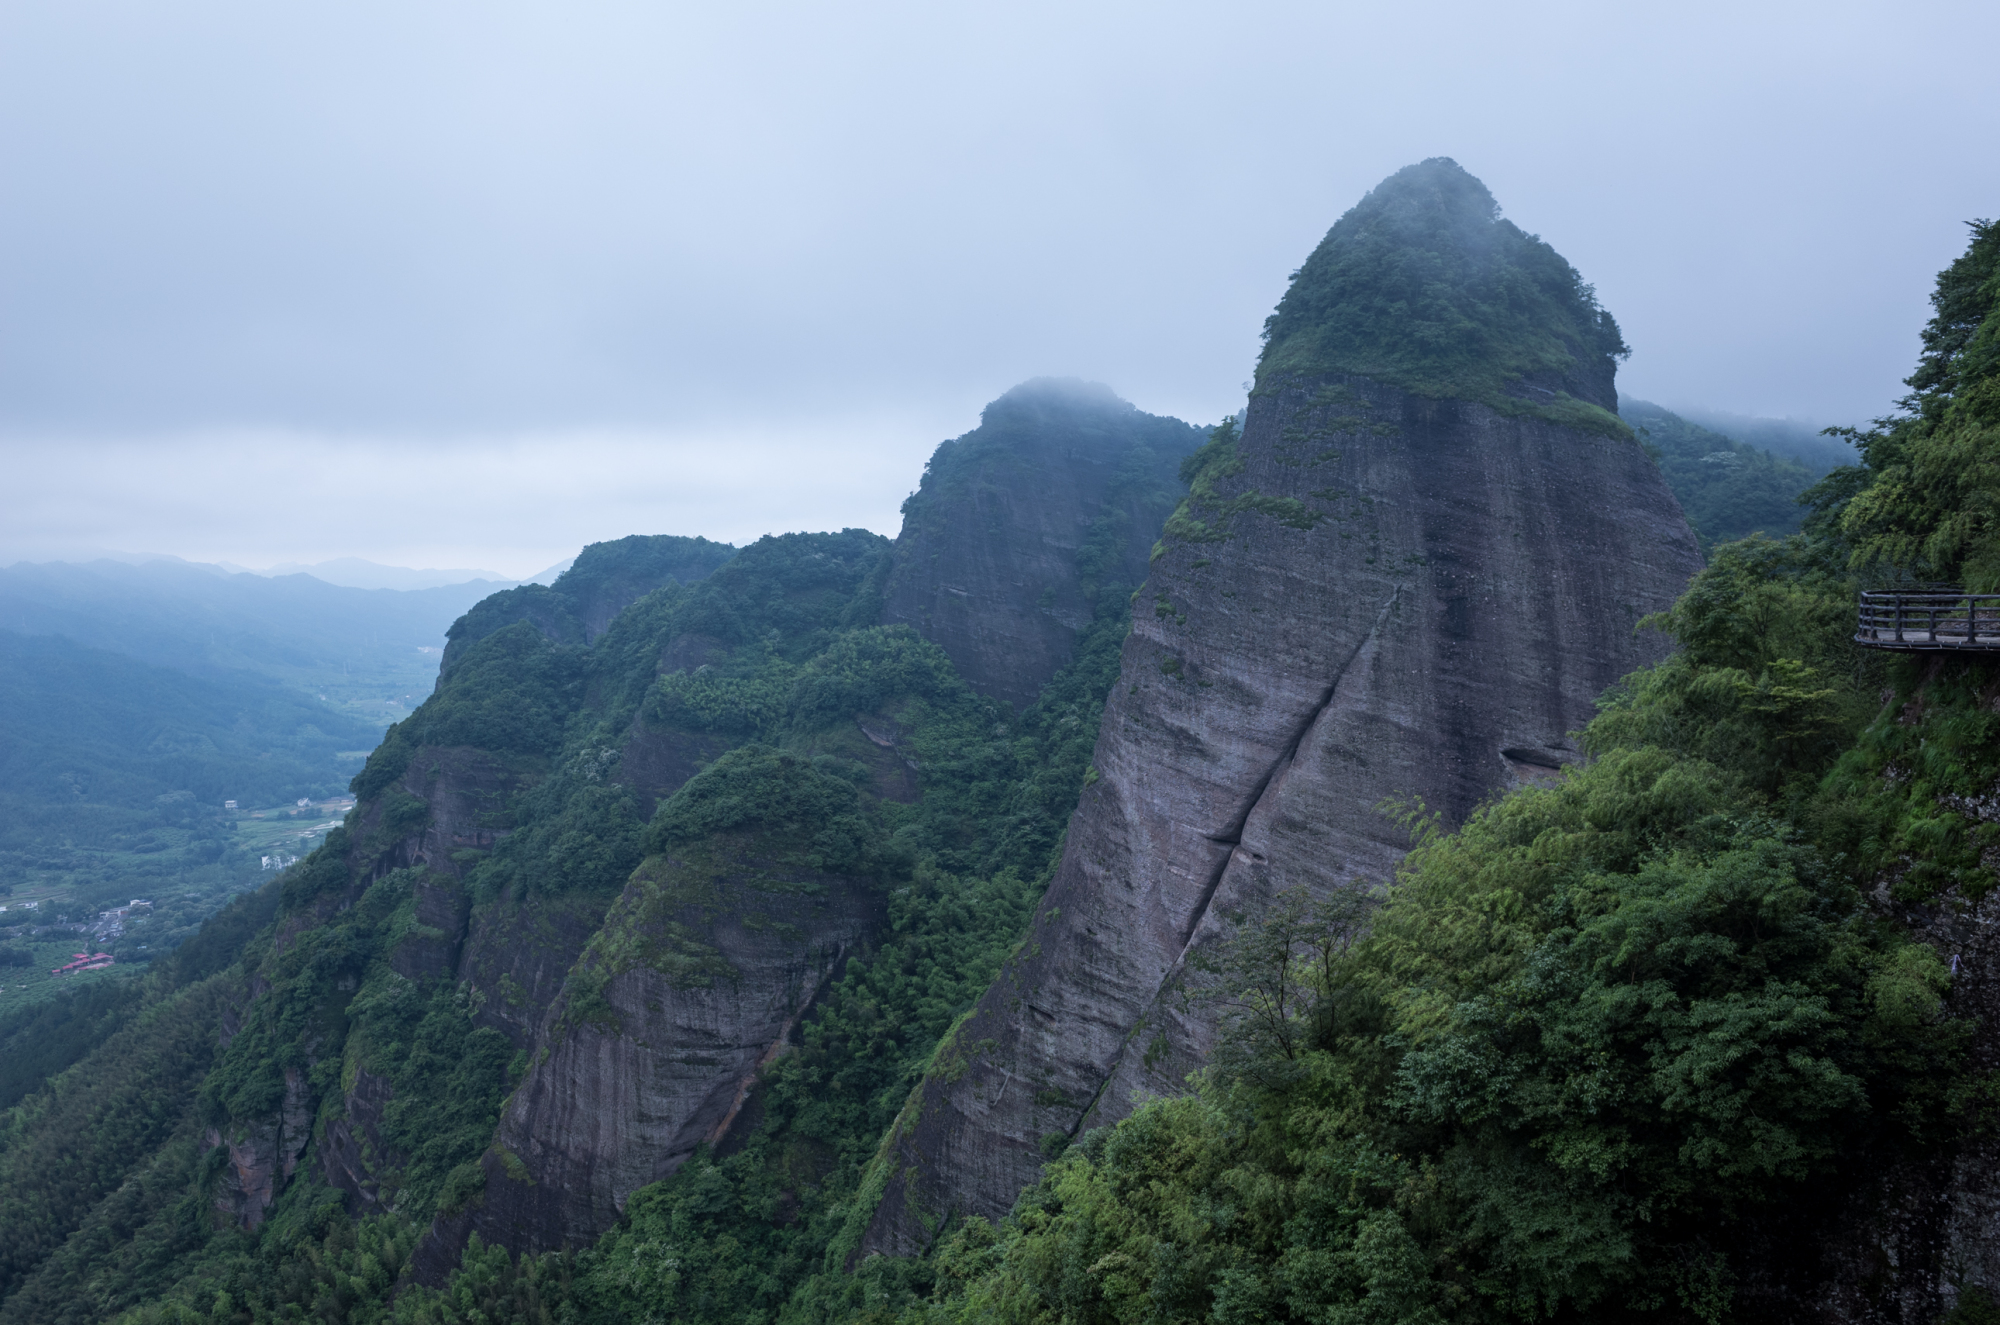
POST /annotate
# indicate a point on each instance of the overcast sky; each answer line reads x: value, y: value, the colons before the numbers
x: 475, y: 283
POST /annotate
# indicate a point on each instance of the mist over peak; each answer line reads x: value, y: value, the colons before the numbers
x: 1422, y: 285
x: 1063, y: 394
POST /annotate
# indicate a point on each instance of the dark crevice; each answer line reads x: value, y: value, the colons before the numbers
x: 1233, y: 836
x: 1104, y: 1083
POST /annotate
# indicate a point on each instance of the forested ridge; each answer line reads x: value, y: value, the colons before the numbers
x: 778, y: 653
x: 1727, y: 488
x: 1625, y: 1046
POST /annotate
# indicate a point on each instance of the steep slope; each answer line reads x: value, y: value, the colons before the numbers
x: 609, y: 896
x: 763, y: 878
x: 1705, y: 1031
x: 1378, y: 591
x: 1028, y: 527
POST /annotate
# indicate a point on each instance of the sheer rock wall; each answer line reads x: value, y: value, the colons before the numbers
x: 1021, y: 524
x: 1388, y: 597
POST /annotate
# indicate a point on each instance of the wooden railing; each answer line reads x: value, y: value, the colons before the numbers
x: 1929, y: 618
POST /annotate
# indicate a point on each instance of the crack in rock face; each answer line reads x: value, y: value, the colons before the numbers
x: 1385, y: 598
x: 1274, y: 779
x: 694, y: 982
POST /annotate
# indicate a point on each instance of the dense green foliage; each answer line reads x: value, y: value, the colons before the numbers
x: 1926, y: 499
x: 1589, y: 1055
x: 738, y: 1236
x: 603, y: 578
x: 1421, y: 285
x: 1727, y: 489
x: 74, y: 1141
x: 959, y: 824
x: 41, y: 1040
x: 1580, y: 1040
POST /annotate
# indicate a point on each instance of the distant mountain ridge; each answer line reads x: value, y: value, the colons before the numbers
x: 359, y: 573
x: 297, y: 629
x: 1794, y: 439
x: 1728, y: 488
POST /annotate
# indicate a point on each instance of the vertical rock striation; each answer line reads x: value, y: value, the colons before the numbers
x: 1024, y: 528
x: 696, y: 981
x: 1412, y: 588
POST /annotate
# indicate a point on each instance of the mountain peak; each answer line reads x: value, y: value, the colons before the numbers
x: 1423, y: 286
x: 1066, y: 395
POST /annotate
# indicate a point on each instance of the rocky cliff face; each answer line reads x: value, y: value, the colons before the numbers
x: 1024, y: 527
x: 262, y: 1156
x: 1371, y: 596
x: 647, y: 1023
x: 697, y: 979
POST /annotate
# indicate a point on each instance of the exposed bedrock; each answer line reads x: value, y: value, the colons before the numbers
x: 1378, y: 596
x: 1023, y: 524
x: 697, y: 979
x: 263, y: 1155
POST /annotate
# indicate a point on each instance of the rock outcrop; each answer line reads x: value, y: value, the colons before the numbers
x: 1029, y: 525
x: 262, y: 1156
x: 1373, y: 594
x: 697, y: 980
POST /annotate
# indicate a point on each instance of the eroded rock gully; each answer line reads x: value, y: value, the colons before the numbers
x: 1383, y: 597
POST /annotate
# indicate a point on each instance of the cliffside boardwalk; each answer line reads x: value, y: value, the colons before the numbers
x: 1931, y: 619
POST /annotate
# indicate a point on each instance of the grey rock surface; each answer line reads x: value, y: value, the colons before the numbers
x: 697, y: 979
x: 1381, y: 597
x: 1023, y: 525
x: 262, y: 1156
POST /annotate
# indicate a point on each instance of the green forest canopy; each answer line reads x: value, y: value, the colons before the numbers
x: 1728, y: 489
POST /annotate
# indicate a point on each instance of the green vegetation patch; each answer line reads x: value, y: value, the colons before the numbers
x: 1925, y: 501
x: 1577, y: 1042
x: 1726, y: 488
x: 1422, y: 286
x: 1205, y: 515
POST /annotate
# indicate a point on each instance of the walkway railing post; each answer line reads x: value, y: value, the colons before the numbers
x: 1939, y: 617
